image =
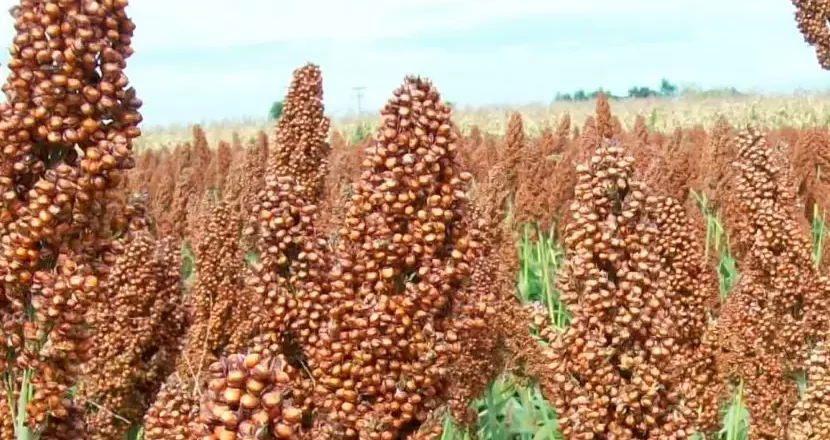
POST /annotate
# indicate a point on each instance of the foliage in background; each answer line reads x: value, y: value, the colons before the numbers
x: 276, y: 110
x: 540, y: 258
x: 717, y: 245
x: 667, y: 89
x: 718, y: 92
x: 513, y: 408
x: 818, y: 232
x: 360, y: 133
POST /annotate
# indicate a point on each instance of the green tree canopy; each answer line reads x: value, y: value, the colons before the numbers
x: 276, y: 110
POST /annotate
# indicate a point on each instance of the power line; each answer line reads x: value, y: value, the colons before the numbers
x: 359, y: 94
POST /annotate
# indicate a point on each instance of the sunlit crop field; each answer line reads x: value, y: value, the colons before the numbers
x: 665, y: 114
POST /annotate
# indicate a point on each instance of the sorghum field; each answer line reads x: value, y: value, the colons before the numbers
x: 647, y: 274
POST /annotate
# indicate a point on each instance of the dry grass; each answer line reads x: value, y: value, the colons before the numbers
x: 663, y: 114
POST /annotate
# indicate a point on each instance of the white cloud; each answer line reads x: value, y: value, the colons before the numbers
x: 725, y: 45
x: 211, y: 23
x: 724, y: 55
x: 178, y: 24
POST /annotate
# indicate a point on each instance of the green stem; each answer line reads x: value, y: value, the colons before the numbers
x: 22, y: 431
x: 546, y: 282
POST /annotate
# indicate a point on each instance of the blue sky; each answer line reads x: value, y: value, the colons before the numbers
x: 201, y: 60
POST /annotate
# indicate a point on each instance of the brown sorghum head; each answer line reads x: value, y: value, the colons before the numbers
x: 811, y: 17
x: 401, y: 257
x: 612, y: 372
x: 67, y: 127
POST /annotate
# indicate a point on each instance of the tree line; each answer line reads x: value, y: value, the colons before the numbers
x: 666, y: 89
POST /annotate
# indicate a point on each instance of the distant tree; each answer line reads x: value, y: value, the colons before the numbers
x: 714, y: 92
x: 608, y: 94
x: 641, y: 92
x: 276, y: 110
x: 451, y: 105
x: 667, y: 88
x: 563, y: 97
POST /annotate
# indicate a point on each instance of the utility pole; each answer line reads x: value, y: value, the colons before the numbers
x: 359, y: 94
